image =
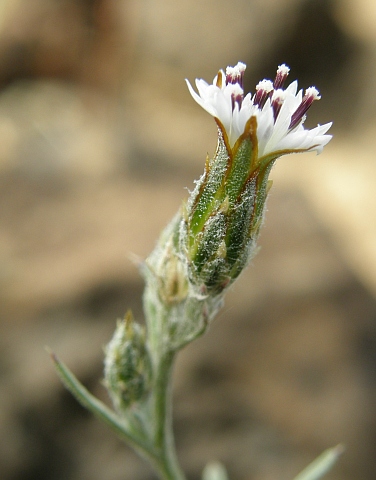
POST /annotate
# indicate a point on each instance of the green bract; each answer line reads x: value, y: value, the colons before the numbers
x: 225, y: 210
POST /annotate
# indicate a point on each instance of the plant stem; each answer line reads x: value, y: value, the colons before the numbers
x: 168, y: 465
x: 162, y: 454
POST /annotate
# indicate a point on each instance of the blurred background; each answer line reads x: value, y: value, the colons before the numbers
x: 98, y: 140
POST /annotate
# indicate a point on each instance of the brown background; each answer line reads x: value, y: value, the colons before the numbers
x: 98, y: 139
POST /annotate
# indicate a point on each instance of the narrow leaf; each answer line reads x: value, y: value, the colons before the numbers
x: 319, y: 467
x: 98, y: 408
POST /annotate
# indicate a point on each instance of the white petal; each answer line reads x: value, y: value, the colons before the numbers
x: 201, y: 101
x: 273, y: 134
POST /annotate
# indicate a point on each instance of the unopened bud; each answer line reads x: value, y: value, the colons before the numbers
x: 127, y: 364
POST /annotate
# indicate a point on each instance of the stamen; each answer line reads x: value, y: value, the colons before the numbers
x: 311, y: 94
x: 262, y: 92
x: 282, y: 74
x: 236, y: 74
x: 277, y: 101
x: 237, y: 95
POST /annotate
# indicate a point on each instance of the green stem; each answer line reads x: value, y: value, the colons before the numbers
x: 168, y: 465
x: 162, y: 454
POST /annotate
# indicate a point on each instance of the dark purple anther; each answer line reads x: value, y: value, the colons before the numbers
x: 263, y: 90
x: 280, y: 78
x: 277, y: 102
x: 311, y: 94
x: 230, y: 78
x: 237, y: 95
x: 237, y: 99
x: 235, y: 74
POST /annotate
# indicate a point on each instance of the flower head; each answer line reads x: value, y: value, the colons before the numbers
x: 279, y: 113
x: 225, y: 211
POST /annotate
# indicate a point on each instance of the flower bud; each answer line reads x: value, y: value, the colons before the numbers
x: 175, y: 311
x: 127, y: 364
x: 167, y: 267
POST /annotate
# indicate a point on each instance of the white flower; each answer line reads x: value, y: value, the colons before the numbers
x: 280, y: 113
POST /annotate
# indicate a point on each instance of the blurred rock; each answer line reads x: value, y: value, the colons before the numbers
x: 82, y: 41
x: 51, y: 129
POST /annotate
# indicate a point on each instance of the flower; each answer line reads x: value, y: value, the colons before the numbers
x: 279, y: 113
x: 224, y: 213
